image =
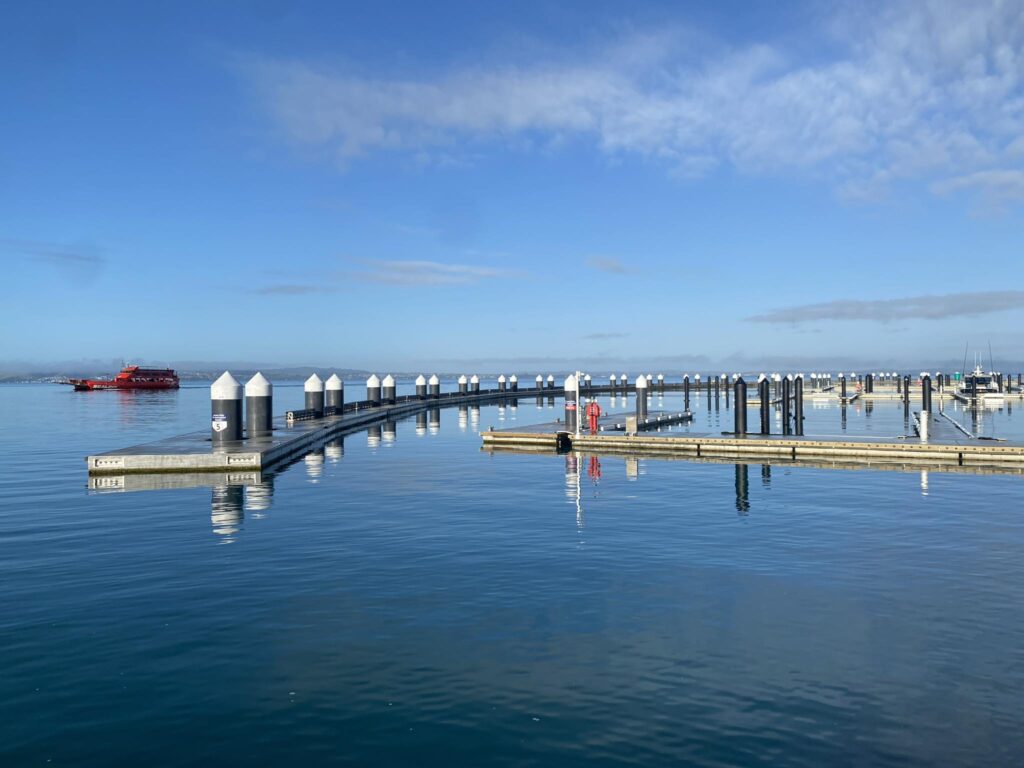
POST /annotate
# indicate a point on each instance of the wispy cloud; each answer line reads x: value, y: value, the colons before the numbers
x: 294, y: 289
x: 970, y: 304
x: 997, y: 187
x: 897, y: 92
x: 607, y: 264
x: 77, y: 262
x: 604, y: 336
x: 426, y: 273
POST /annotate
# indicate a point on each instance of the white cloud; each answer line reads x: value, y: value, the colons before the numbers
x: 914, y: 91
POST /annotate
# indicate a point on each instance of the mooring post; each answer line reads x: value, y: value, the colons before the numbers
x: 611, y: 382
x: 641, y: 398
x: 661, y: 382
x: 763, y: 394
x: 463, y: 384
x: 373, y: 390
x: 501, y: 383
x: 571, y: 401
x: 513, y: 383
x: 899, y: 386
x: 587, y: 382
x: 421, y: 387
x: 334, y: 393
x: 540, y: 381
x: 926, y: 393
x: 314, y: 389
x: 388, y: 390
x: 686, y: 392
x: 551, y: 381
x: 740, y: 420
x: 474, y: 384
x: 259, y: 406
x: 434, y: 387
x: 785, y: 406
x: 798, y: 400
x: 225, y: 410
x: 842, y: 386
x: 725, y: 388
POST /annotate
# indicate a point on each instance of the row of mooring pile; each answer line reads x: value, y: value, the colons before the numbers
x: 226, y: 408
x: 322, y: 398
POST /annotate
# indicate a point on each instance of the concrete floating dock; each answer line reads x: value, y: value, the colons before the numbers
x: 951, y: 451
x: 194, y: 452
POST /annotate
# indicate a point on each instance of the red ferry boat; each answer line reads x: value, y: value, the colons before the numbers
x: 131, y: 377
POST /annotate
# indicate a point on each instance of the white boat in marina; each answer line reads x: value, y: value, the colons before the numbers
x: 980, y: 386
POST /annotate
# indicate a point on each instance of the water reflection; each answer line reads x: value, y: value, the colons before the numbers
x: 259, y: 497
x: 226, y: 506
x: 742, y: 489
x: 335, y: 449
x: 373, y: 436
x: 314, y: 461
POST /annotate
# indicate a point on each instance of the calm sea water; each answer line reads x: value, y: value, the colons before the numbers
x: 412, y: 600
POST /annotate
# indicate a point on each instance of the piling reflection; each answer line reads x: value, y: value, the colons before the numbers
x: 742, y: 489
x: 314, y: 461
x: 421, y: 424
x: 434, y: 420
x: 259, y: 497
x: 226, y: 504
x: 335, y: 450
x: 374, y: 436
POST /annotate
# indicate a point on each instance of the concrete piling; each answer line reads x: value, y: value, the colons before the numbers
x: 259, y: 406
x: 463, y: 385
x: 611, y: 382
x: 764, y: 395
x: 926, y: 393
x: 373, y: 390
x: 842, y: 386
x: 551, y: 381
x: 686, y: 392
x: 540, y: 381
x: 798, y: 403
x: 388, y: 390
x: 502, y: 385
x: 785, y: 406
x: 334, y: 393
x: 571, y: 402
x: 740, y: 411
x: 225, y: 410
x: 624, y: 384
x: 433, y: 387
x: 513, y: 383
x: 421, y: 389
x: 474, y: 384
x: 314, y: 389
x: 641, y: 398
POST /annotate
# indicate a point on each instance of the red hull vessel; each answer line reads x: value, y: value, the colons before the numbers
x: 131, y: 377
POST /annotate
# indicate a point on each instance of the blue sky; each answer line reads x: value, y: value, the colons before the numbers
x: 500, y: 186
